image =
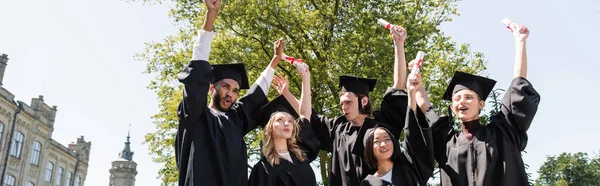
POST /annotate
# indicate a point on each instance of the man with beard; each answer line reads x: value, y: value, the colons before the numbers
x: 209, y: 146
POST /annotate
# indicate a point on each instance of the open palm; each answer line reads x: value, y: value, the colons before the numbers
x: 280, y: 83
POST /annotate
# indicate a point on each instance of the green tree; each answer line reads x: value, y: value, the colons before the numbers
x: 570, y: 169
x: 334, y: 37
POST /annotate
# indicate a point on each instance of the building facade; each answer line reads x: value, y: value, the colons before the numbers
x: 28, y: 154
x: 124, y: 169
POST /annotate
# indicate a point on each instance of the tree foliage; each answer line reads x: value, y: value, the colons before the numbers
x: 334, y: 37
x: 570, y: 169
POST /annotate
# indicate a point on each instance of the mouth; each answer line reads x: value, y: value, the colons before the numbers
x: 383, y: 150
x: 227, y: 101
x: 286, y: 130
x: 463, y: 109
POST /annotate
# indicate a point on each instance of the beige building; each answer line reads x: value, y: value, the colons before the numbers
x: 28, y: 154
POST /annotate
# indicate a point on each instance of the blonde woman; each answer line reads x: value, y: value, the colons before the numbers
x: 289, y: 144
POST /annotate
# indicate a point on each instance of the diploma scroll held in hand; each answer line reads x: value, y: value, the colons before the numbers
x: 417, y: 67
x: 294, y: 61
x: 387, y: 25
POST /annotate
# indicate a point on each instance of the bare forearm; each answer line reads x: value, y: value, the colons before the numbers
x: 422, y: 99
x: 399, y: 66
x: 274, y: 62
x: 520, y: 60
x: 209, y: 20
x: 305, y: 98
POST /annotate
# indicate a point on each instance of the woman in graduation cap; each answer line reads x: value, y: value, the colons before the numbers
x: 411, y: 166
x: 485, y: 154
x: 288, y: 145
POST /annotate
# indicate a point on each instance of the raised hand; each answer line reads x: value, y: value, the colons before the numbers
x: 280, y: 83
x: 278, y: 47
x: 303, y: 71
x: 413, y: 85
x: 213, y: 5
x: 395, y: 36
x: 520, y: 32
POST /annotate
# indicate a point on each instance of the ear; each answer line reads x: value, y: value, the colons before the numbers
x: 481, y: 104
x: 364, y: 101
x: 211, y: 88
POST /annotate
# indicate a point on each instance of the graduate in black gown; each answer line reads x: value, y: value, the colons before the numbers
x: 485, y: 153
x: 209, y: 145
x: 343, y: 135
x: 412, y: 166
x: 288, y: 146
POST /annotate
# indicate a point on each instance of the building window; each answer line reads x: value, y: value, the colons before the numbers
x: 35, y: 155
x: 121, y: 165
x: 130, y: 166
x: 9, y: 181
x: 77, y: 181
x: 49, y: 169
x: 59, y: 176
x: 30, y: 184
x: 17, y: 145
x: 69, y: 177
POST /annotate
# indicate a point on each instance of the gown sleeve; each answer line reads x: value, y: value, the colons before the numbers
x: 441, y: 131
x: 308, y: 142
x: 323, y: 129
x: 393, y: 110
x: 418, y: 145
x: 519, y: 106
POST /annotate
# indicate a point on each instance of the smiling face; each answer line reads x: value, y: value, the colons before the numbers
x: 466, y: 105
x: 224, y: 93
x: 283, y: 126
x: 383, y: 147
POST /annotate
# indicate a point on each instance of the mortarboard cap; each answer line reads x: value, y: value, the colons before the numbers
x: 357, y: 85
x: 480, y: 85
x: 235, y: 71
x: 279, y: 104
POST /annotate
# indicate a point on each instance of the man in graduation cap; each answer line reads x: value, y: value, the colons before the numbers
x: 343, y: 135
x: 209, y: 145
x: 484, y: 154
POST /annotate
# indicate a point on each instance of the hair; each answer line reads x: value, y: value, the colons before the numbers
x: 368, y: 108
x: 369, y: 155
x: 268, y: 148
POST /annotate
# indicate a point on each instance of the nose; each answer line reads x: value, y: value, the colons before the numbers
x: 383, y: 144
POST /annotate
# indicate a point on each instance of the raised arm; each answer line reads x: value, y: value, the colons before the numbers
x: 420, y: 98
x: 305, y: 97
x: 418, y: 139
x: 521, y: 100
x: 520, y: 33
x: 196, y: 75
x: 399, y: 58
x: 256, y: 96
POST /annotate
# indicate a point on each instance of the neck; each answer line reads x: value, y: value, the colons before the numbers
x: 469, y: 128
x: 281, y: 145
x: 384, y: 168
x: 212, y: 106
x: 359, y: 120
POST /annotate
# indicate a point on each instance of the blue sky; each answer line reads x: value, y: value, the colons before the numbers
x: 79, y: 55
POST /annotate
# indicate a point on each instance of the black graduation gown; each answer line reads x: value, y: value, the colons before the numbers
x: 415, y: 164
x: 287, y: 173
x: 345, y: 141
x: 494, y: 155
x: 209, y: 148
